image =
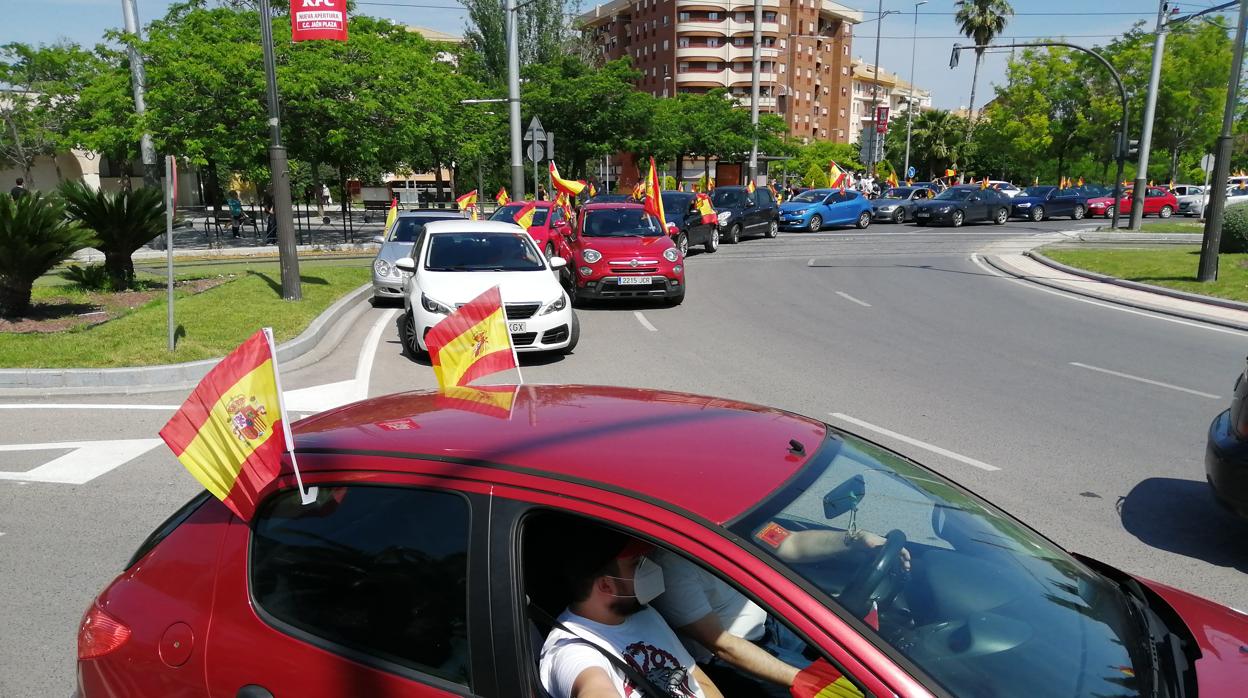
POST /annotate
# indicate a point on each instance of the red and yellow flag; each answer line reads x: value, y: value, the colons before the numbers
x: 231, y: 432
x: 950, y: 172
x: 822, y: 680
x: 654, y: 196
x: 471, y: 342
x: 489, y: 400
x: 469, y: 199
x: 501, y: 198
x: 639, y: 190
x: 984, y: 184
x: 836, y: 176
x: 391, y: 217
x: 524, y: 217
x: 892, y: 180
x: 571, y: 187
x: 593, y: 191
x: 750, y: 188
x: 703, y: 203
x: 1080, y: 182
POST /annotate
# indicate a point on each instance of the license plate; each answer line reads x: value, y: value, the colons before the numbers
x: 921, y: 214
x: 515, y: 327
x: 634, y: 281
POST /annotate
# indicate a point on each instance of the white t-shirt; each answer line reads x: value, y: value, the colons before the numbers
x: 690, y: 593
x: 643, y: 640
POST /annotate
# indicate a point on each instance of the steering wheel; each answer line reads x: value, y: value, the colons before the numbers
x: 867, y: 582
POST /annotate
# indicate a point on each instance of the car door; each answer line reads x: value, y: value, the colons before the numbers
x: 366, y: 591
x: 765, y: 210
x: 976, y: 206
x: 697, y: 231
x: 519, y: 579
x: 834, y: 207
x: 1062, y: 203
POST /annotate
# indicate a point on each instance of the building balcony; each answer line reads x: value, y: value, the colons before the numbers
x: 724, y: 6
x: 703, y: 53
x: 702, y: 78
x: 704, y: 28
x: 744, y: 77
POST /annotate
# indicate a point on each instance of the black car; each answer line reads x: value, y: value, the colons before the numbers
x: 611, y: 199
x: 897, y: 204
x: 1043, y: 202
x: 680, y: 211
x: 742, y: 213
x: 1226, y: 453
x: 965, y: 203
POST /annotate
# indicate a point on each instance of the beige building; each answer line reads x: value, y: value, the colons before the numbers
x: 888, y: 89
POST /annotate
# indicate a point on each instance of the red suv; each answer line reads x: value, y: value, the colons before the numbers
x: 617, y: 250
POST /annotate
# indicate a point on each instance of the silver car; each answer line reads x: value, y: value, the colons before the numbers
x: 387, y: 280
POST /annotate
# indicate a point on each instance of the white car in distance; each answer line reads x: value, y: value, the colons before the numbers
x: 453, y: 262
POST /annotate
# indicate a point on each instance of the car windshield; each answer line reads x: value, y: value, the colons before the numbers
x: 507, y: 214
x: 619, y: 222
x: 898, y: 193
x: 482, y: 252
x: 734, y: 197
x: 955, y: 194
x: 987, y: 607
x: 808, y: 197
x: 1037, y: 191
x: 406, y: 228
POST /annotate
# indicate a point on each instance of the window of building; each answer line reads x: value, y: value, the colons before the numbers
x: 682, y: 42
x: 395, y: 574
x: 665, y: 18
x: 808, y: 74
x: 844, y: 92
x: 846, y: 47
x: 665, y: 45
x: 712, y: 41
x: 769, y: 17
x: 738, y: 41
x: 682, y: 17
x: 682, y: 67
x: 712, y: 66
x: 713, y: 16
x: 782, y: 43
x: 784, y: 20
x: 844, y: 70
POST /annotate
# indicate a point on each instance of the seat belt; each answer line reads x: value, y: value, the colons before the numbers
x: 647, y: 686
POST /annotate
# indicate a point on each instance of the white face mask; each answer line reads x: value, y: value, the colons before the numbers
x: 647, y: 581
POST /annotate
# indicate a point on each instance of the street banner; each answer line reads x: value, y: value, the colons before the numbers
x: 881, y: 119
x: 231, y: 432
x: 318, y: 19
x: 472, y: 342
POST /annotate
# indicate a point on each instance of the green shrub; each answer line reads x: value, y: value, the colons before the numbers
x: 1235, y: 229
x: 122, y: 221
x: 93, y: 277
x: 35, y: 236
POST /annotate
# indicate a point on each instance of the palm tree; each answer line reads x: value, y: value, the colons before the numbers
x: 936, y: 140
x: 123, y: 222
x: 35, y: 236
x: 981, y: 21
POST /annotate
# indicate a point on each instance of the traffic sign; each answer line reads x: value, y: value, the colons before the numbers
x: 1206, y: 163
x: 535, y: 132
x: 910, y: 172
x: 536, y: 151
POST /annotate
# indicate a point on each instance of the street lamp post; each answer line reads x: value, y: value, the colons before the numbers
x: 138, y: 79
x: 1211, y: 242
x: 513, y: 100
x: 279, y: 172
x: 875, y: 86
x: 1150, y: 107
x: 910, y: 101
x: 754, y: 76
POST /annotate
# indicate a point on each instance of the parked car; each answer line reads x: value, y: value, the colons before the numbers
x: 429, y: 559
x: 1191, y: 199
x: 611, y: 199
x: 965, y: 203
x: 897, y: 204
x: 742, y: 214
x: 620, y: 251
x: 1042, y: 202
x: 1236, y: 195
x: 1157, y: 201
x: 546, y: 227
x: 818, y: 208
x: 683, y: 215
x: 397, y: 244
x: 456, y: 261
x: 1226, y: 452
x: 1007, y: 188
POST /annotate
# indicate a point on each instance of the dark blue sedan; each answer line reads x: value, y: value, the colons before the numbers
x: 1043, y: 202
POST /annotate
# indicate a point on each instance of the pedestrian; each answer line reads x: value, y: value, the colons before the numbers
x: 236, y: 213
x: 20, y: 190
x: 270, y: 222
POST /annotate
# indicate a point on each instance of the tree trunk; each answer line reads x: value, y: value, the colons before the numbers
x: 120, y: 268
x: 1174, y: 164
x: 15, y: 296
x: 970, y: 112
x: 214, y: 187
x: 706, y: 173
x: 680, y: 167
x: 437, y: 180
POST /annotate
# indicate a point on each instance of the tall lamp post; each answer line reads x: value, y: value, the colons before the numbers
x: 279, y: 172
x: 875, y: 86
x: 910, y: 101
x: 754, y: 77
x: 513, y: 99
x: 138, y: 80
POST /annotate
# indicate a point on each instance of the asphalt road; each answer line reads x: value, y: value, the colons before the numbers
x: 1084, y: 420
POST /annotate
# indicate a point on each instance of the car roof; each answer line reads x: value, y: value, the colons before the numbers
x: 610, y: 205
x: 539, y: 203
x: 431, y: 212
x: 729, y: 187
x: 470, y: 226
x: 712, y: 457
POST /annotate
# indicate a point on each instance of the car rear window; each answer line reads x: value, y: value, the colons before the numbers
x: 407, y: 228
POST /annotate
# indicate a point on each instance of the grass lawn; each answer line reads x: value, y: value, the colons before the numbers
x: 1173, y: 267
x: 1173, y: 225
x: 209, y: 324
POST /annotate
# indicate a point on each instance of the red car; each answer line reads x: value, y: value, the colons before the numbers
x: 434, y: 528
x: 617, y: 250
x: 1157, y: 201
x: 546, y: 228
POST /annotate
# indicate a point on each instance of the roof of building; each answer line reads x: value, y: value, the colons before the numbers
x: 435, y: 35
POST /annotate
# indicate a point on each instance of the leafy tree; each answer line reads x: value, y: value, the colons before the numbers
x: 544, y: 34
x: 936, y: 142
x: 981, y: 21
x: 122, y: 222
x: 815, y: 177
x: 35, y: 236
x: 816, y: 156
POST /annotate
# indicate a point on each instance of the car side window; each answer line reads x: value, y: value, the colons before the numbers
x: 380, y: 571
x: 557, y: 217
x: 762, y: 197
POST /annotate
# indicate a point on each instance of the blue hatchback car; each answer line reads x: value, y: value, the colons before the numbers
x: 813, y: 210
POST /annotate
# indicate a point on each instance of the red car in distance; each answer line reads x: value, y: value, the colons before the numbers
x: 1157, y: 202
x: 546, y: 228
x: 438, y: 530
x: 617, y: 250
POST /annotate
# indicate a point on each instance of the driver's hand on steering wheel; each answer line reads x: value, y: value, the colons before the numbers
x: 867, y: 540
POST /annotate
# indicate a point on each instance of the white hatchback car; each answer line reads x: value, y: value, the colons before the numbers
x: 455, y: 261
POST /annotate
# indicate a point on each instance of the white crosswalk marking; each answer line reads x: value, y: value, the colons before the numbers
x: 85, y: 461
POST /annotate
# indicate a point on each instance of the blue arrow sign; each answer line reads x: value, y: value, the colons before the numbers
x: 910, y: 172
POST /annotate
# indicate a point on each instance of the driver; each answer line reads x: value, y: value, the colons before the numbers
x: 724, y: 631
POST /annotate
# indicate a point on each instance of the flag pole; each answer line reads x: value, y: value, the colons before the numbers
x: 514, y: 356
x: 307, y: 496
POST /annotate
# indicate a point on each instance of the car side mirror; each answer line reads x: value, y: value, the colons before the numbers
x: 406, y: 264
x: 844, y: 497
x: 750, y: 203
x: 558, y: 262
x: 379, y: 239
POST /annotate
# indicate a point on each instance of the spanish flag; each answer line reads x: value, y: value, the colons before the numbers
x: 489, y: 400
x: 501, y: 197
x: 391, y: 218
x: 1080, y: 182
x: 524, y: 217
x: 822, y: 680
x: 984, y: 184
x: 750, y: 187
x: 892, y: 179
x: 471, y: 342
x: 703, y: 203
x: 836, y: 176
x: 639, y: 190
x: 653, y: 203
x: 593, y: 191
x: 950, y: 172
x: 469, y: 199
x: 231, y: 432
x: 571, y: 187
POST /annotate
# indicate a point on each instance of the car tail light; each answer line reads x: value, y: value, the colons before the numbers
x: 100, y: 634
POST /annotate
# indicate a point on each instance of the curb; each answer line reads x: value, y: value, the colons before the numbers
x: 1012, y: 273
x: 145, y: 379
x: 1136, y: 285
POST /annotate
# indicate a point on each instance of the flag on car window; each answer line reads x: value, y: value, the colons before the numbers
x: 984, y: 184
x: 471, y: 342
x: 489, y: 400
x: 469, y: 199
x: 571, y: 187
x: 653, y: 202
x: 639, y: 190
x: 892, y: 179
x: 1080, y: 182
x: 391, y: 217
x: 703, y: 204
x: 524, y: 217
x: 750, y: 188
x: 836, y: 176
x: 231, y: 432
x: 822, y: 680
x: 501, y: 197
x: 593, y: 191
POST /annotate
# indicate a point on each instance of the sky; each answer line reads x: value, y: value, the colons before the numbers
x: 1083, y: 22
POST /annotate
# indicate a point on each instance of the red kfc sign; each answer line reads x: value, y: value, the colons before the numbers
x: 881, y: 119
x: 318, y: 19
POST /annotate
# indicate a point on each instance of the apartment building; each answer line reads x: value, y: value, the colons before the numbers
x: 692, y: 46
x: 882, y: 88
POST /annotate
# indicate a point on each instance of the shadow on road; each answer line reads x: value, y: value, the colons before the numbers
x: 1180, y: 516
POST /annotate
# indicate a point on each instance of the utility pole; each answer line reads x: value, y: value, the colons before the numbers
x: 279, y: 173
x: 875, y: 89
x: 1150, y: 107
x: 1222, y: 160
x: 758, y: 39
x: 513, y: 101
x: 138, y: 82
x: 910, y: 102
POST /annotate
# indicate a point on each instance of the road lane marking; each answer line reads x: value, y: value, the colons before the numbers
x: 85, y: 406
x: 644, y: 322
x: 318, y: 398
x: 850, y: 298
x: 915, y: 442
x: 85, y: 461
x: 1149, y: 381
x: 1070, y: 295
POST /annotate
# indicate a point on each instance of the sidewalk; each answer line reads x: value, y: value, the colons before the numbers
x: 1029, y: 265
